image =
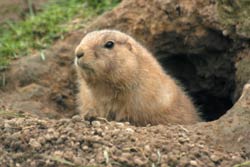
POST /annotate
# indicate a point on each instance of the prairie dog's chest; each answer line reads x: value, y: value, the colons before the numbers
x: 109, y: 103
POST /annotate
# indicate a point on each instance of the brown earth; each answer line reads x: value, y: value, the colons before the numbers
x: 210, y: 59
x: 17, y: 9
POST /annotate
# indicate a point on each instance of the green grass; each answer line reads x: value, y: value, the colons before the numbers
x: 10, y: 114
x: 38, y: 31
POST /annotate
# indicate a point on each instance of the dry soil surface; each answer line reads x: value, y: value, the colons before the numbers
x: 30, y: 141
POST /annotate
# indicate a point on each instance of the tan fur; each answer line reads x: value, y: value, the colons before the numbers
x: 126, y: 83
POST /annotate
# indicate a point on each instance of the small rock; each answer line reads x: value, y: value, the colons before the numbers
x: 76, y: 118
x: 127, y: 123
x: 69, y: 155
x: 96, y: 124
x: 64, y: 120
x: 49, y: 136
x: 154, y: 157
x: 225, y: 32
x: 99, y: 131
x: 183, y: 139
x: 214, y: 158
x: 138, y: 161
x: 34, y: 144
x: 77, y: 161
x: 129, y: 130
x: 147, y: 148
x: 124, y: 157
x: 200, y: 146
x: 69, y: 130
x: 119, y: 124
x: 193, y: 163
x: 164, y: 165
x: 99, y: 157
x: 58, y: 153
x: 92, y: 161
x: 7, y: 126
x: 84, y: 147
x: 16, y: 135
x: 59, y: 140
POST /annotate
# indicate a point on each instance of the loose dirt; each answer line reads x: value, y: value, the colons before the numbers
x: 16, y: 10
x: 30, y: 141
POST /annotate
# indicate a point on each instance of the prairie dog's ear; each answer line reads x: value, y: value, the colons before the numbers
x: 130, y: 45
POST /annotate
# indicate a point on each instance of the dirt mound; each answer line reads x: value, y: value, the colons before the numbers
x: 32, y: 141
x: 73, y: 142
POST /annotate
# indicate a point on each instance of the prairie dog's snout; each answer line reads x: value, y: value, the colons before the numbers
x: 78, y: 54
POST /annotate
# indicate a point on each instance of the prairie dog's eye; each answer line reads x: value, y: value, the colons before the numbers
x: 109, y: 44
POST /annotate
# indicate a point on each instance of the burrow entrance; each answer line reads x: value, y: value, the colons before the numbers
x: 210, y: 83
x: 204, y: 66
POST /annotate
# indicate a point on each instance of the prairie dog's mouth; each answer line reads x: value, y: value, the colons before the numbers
x: 83, y: 66
x: 76, y: 61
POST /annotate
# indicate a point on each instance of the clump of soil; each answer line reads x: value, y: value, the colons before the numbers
x: 74, y: 142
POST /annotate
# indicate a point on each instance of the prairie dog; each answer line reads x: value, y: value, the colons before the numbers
x: 120, y: 80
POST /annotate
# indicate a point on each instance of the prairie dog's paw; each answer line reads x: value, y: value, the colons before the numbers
x: 91, y: 115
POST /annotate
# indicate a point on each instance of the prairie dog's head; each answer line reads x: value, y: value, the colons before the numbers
x: 106, y: 55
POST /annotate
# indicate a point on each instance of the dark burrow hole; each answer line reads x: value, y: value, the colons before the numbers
x: 208, y: 79
x: 203, y: 65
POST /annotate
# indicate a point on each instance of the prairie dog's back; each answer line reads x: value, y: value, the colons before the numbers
x: 124, y: 82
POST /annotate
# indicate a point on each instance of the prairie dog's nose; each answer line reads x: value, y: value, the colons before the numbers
x: 79, y: 54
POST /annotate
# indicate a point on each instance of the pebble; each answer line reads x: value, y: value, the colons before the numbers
x: 138, y: 161
x: 76, y: 118
x: 99, y: 130
x: 99, y: 157
x: 64, y: 120
x: 58, y: 153
x: 129, y: 130
x: 34, y: 144
x: 7, y: 126
x: 124, y: 156
x: 214, y: 158
x: 147, y: 148
x: 119, y: 124
x: 127, y: 123
x: 84, y: 147
x: 92, y: 161
x: 183, y: 139
x: 68, y: 154
x: 154, y: 157
x: 225, y: 32
x: 51, y: 130
x: 49, y: 136
x: 193, y: 163
x: 96, y: 124
x: 16, y: 135
x: 78, y: 161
